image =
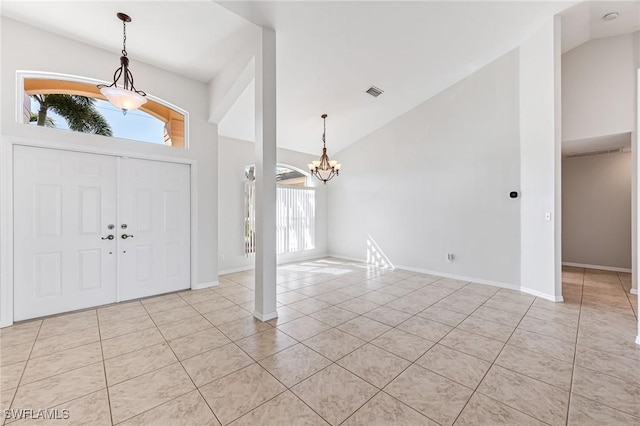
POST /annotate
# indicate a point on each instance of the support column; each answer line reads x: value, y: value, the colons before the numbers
x: 265, y: 172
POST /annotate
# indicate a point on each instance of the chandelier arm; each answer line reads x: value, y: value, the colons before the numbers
x: 116, y: 77
x: 122, y: 97
x: 129, y: 79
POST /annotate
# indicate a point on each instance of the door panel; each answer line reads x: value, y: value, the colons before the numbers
x: 63, y: 202
x: 155, y: 207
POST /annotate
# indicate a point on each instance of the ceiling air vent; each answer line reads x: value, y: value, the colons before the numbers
x: 374, y: 91
x: 606, y: 151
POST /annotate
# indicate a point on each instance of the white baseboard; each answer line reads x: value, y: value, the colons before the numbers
x: 440, y: 274
x: 350, y: 259
x: 515, y: 287
x: 293, y: 259
x: 598, y: 267
x: 234, y: 270
x: 200, y: 286
x: 279, y: 262
x: 265, y: 317
x: 461, y: 277
x: 634, y: 291
x: 542, y: 295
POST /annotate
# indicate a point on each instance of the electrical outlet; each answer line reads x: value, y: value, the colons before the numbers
x: 450, y: 257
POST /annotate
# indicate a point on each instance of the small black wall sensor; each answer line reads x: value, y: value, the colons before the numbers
x: 513, y: 194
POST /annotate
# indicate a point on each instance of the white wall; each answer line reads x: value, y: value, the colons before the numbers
x: 233, y: 156
x: 436, y: 180
x: 540, y: 162
x: 596, y: 210
x: 28, y: 48
x: 598, y: 87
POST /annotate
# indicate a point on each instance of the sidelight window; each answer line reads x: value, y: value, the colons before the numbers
x: 295, y: 211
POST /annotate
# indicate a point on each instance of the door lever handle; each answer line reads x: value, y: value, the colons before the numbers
x: 108, y: 237
x: 125, y: 236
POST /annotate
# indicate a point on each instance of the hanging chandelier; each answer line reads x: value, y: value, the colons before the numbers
x: 126, y: 98
x: 324, y: 169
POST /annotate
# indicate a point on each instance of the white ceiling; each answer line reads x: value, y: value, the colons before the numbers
x: 329, y: 53
x: 192, y: 38
x: 584, y: 22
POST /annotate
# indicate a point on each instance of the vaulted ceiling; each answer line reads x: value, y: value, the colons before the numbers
x: 192, y: 38
x: 329, y: 53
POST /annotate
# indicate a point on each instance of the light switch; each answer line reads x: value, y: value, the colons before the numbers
x: 547, y: 216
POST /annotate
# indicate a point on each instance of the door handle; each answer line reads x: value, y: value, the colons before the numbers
x: 108, y: 237
x: 125, y: 236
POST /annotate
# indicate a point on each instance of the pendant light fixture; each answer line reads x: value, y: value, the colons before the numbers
x: 324, y: 169
x: 126, y: 98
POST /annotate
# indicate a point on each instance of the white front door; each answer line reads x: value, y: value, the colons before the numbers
x: 64, y: 203
x: 153, y: 228
x: 95, y: 229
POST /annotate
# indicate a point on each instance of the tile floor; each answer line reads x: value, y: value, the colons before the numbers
x: 353, y: 345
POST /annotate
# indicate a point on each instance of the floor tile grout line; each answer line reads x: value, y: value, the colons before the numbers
x: 511, y: 333
x: 507, y: 405
x: 65, y: 371
x: 26, y: 363
x: 410, y: 363
x: 393, y: 397
x: 494, y: 363
x: 307, y: 378
x: 257, y: 406
x: 362, y: 405
x: 626, y: 293
x: 412, y: 315
x: 104, y: 370
x: 607, y: 405
x: 633, y: 382
x: 77, y: 397
x: 582, y: 345
x: 185, y: 372
x: 58, y: 336
x: 287, y: 388
x: 332, y: 362
x: 155, y: 406
x: 61, y: 373
x: 575, y: 352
